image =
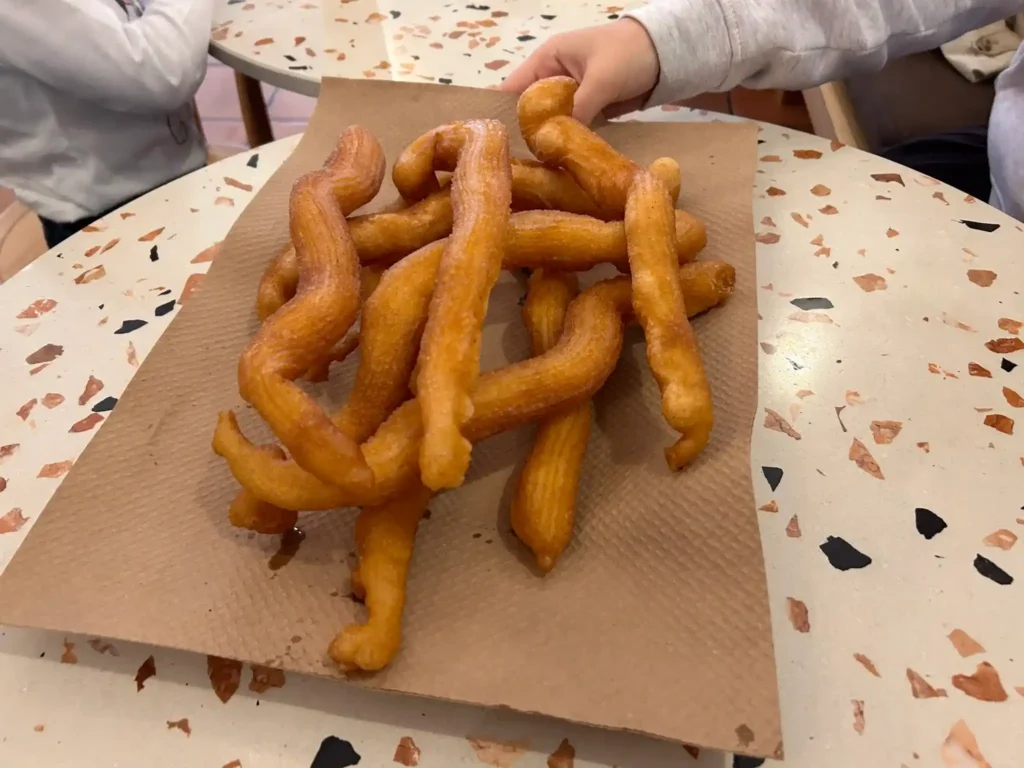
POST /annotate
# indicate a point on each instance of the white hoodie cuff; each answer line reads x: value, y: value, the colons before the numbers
x: 693, y: 44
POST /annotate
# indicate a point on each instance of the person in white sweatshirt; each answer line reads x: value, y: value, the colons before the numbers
x: 669, y: 50
x: 95, y: 102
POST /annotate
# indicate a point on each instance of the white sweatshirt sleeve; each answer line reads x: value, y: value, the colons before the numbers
x: 714, y: 45
x: 88, y: 50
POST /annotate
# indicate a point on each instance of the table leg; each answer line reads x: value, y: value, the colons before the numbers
x: 254, y: 110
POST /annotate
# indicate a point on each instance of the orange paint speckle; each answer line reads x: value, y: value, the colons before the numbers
x: 983, y: 685
x: 960, y: 749
x: 1000, y: 423
x: 55, y: 470
x: 12, y: 521
x: 91, y: 274
x: 981, y: 277
x: 150, y: 236
x: 861, y: 456
x: 92, y: 387
x: 86, y: 424
x: 867, y: 663
x: 871, y: 282
x: 26, y: 409
x: 37, y: 308
x: 921, y: 688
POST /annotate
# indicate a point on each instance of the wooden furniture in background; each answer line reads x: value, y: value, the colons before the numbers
x: 254, y: 111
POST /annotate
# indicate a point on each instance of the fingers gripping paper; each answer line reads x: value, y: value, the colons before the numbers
x: 656, y: 619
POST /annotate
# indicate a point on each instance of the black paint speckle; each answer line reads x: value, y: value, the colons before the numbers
x: 796, y: 366
x: 525, y: 38
x: 154, y: 254
x: 760, y: 141
x: 990, y: 570
x: 395, y: 14
x: 613, y: 16
x: 163, y: 309
x: 254, y: 161
x: 304, y: 66
x: 981, y: 226
x: 166, y: 292
x: 548, y: 16
x: 130, y: 325
x: 842, y: 555
x: 1007, y: 365
x: 335, y: 753
x: 104, y: 405
x: 473, y: 7
x: 812, y: 302
x: 742, y: 761
x: 102, y: 306
x: 444, y: 80
x: 773, y: 475
x: 928, y: 523
x: 289, y: 57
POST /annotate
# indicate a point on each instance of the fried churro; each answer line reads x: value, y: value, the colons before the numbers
x: 544, y: 500
x: 660, y: 306
x: 449, y: 359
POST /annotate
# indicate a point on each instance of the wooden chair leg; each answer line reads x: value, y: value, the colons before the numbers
x: 254, y: 110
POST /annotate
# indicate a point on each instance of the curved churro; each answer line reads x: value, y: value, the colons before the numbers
x: 534, y: 185
x: 658, y: 301
x: 542, y: 238
x: 380, y: 238
x: 252, y: 513
x: 572, y: 371
x: 558, y: 139
x: 563, y: 241
x: 449, y: 359
x: 304, y: 331
x: 384, y: 542
x: 544, y: 500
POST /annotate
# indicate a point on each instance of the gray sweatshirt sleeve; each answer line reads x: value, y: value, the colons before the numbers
x: 714, y: 45
x: 89, y: 50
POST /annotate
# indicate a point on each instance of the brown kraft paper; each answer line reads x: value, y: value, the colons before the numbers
x: 656, y: 618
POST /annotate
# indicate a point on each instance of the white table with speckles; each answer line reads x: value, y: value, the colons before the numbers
x: 887, y: 462
x: 887, y: 465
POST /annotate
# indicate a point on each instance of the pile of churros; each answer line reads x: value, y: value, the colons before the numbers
x: 409, y: 288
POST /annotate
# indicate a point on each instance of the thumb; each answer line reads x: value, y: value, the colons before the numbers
x: 540, y: 64
x: 594, y: 94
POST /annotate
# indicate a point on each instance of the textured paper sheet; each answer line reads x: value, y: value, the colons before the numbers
x: 655, y: 620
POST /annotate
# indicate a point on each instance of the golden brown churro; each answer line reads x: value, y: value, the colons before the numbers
x: 418, y: 277
x: 302, y: 332
x: 572, y: 371
x: 449, y: 360
x: 558, y: 139
x: 544, y: 501
x: 658, y: 301
x: 384, y: 542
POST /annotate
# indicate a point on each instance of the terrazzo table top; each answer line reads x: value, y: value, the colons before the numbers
x: 888, y: 471
x: 293, y: 43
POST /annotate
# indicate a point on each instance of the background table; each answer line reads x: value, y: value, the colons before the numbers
x: 887, y: 468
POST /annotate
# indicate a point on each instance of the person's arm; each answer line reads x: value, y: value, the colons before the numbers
x: 89, y: 50
x: 715, y: 45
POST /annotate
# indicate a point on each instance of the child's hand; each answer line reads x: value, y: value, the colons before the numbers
x: 615, y: 64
